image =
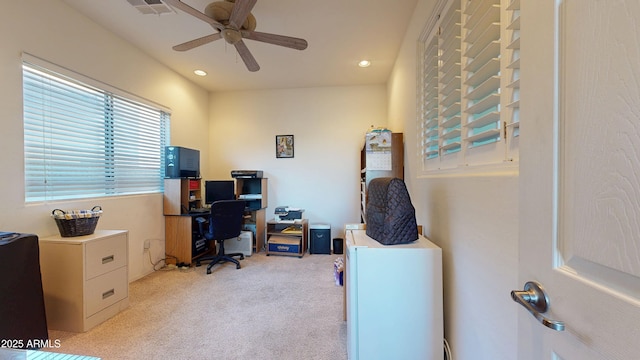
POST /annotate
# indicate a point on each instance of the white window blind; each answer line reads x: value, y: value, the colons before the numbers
x: 81, y: 141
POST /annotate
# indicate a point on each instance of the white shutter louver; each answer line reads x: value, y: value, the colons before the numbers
x: 513, y: 28
x: 430, y: 142
x: 450, y: 118
x: 482, y: 72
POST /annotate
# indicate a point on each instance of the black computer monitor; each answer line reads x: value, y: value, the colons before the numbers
x: 215, y: 190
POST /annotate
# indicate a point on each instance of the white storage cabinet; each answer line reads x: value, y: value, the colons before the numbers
x: 393, y: 299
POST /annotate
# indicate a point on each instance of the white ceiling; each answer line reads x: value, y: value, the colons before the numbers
x: 339, y: 32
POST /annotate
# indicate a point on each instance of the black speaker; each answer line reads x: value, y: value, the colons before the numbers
x: 337, y: 245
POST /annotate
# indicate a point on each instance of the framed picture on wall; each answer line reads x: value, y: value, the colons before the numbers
x: 284, y: 146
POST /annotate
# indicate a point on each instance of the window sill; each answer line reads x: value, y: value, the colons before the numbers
x: 508, y: 168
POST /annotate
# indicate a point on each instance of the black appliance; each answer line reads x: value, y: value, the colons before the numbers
x: 22, y: 310
x: 181, y: 162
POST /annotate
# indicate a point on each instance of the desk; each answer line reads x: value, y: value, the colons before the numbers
x: 183, y: 240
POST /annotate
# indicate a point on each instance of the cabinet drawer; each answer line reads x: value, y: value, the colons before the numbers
x: 105, y: 255
x: 106, y: 290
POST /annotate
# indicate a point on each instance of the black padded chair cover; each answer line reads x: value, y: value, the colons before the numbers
x: 23, y: 322
x: 391, y: 218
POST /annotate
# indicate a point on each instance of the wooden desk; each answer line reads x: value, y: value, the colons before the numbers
x: 180, y: 233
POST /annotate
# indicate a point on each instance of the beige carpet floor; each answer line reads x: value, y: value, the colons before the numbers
x: 274, y: 307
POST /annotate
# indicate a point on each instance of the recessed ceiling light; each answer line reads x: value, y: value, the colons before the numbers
x: 364, y: 63
x: 200, y: 72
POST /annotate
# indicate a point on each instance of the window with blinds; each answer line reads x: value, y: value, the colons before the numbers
x: 81, y: 141
x: 478, y: 78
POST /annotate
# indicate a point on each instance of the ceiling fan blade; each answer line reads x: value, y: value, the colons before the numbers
x: 240, y: 11
x: 197, y: 42
x: 286, y: 41
x: 245, y: 55
x: 191, y: 11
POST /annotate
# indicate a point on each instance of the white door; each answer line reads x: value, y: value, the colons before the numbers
x: 580, y: 177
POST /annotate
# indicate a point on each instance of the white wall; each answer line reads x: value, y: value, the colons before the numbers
x: 328, y: 125
x: 473, y: 217
x: 53, y: 31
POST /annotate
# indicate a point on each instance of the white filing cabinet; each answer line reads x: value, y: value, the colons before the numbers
x: 85, y: 278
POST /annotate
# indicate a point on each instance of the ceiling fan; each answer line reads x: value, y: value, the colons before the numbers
x: 233, y: 21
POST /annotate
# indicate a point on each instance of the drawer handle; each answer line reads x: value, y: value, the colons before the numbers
x: 108, y: 293
x: 108, y: 259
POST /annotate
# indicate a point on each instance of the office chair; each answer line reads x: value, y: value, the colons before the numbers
x: 225, y: 222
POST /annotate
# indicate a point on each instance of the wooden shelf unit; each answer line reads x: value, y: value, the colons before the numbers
x: 181, y: 230
x: 298, y: 237
x: 182, y: 195
x: 366, y: 175
x: 254, y: 192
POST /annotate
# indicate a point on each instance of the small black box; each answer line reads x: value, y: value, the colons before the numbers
x: 320, y: 239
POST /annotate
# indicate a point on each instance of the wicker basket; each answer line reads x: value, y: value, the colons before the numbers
x: 77, y: 222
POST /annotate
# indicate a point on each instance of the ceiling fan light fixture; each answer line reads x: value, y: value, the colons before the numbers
x: 200, y: 72
x: 364, y: 63
x: 232, y: 21
x: 231, y: 35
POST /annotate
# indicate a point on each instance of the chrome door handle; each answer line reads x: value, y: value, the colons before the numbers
x: 535, y: 299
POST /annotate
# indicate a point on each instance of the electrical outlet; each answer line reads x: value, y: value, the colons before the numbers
x: 147, y: 244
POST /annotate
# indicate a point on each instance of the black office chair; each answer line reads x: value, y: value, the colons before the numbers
x: 225, y: 222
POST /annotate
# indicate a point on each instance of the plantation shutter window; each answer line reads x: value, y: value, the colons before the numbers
x: 478, y: 90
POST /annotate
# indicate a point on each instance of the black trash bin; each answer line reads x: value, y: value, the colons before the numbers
x: 320, y: 239
x: 337, y: 245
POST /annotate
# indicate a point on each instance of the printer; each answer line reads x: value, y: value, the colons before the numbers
x: 288, y: 214
x: 246, y: 174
